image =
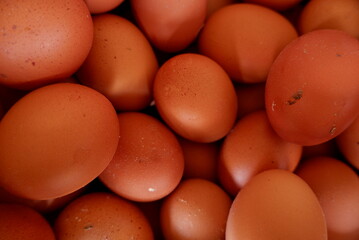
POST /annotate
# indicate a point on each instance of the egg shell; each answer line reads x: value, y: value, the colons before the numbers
x: 148, y: 163
x: 102, y: 216
x: 197, y: 209
x: 121, y: 64
x: 22, y: 222
x: 100, y: 6
x: 170, y: 25
x: 276, y: 204
x: 335, y: 14
x: 337, y: 187
x: 41, y: 41
x: 195, y: 97
x: 55, y: 140
x: 311, y: 93
x: 252, y: 147
x: 252, y: 38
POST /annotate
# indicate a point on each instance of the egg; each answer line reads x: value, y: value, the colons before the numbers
x: 170, y: 25
x: 41, y: 41
x: 22, y: 222
x: 100, y: 6
x: 276, y: 204
x: 101, y: 215
x: 55, y: 140
x: 197, y: 209
x: 148, y: 163
x: 337, y: 187
x: 195, y: 97
x: 121, y: 64
x: 252, y: 38
x: 252, y: 147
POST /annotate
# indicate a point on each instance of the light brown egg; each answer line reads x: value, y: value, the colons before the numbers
x: 337, y: 187
x: 276, y: 204
x: 42, y: 41
x: 197, y: 209
x: 245, y: 39
x: 121, y: 64
x: 195, y: 97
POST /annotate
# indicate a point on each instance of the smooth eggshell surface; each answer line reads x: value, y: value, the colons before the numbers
x: 55, y: 140
x: 276, y: 204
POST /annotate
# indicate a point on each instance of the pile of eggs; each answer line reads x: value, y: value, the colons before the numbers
x: 168, y: 119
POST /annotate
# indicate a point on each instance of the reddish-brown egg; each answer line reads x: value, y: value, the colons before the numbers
x: 197, y: 209
x: 42, y: 41
x: 55, y: 140
x: 252, y: 38
x: 335, y: 14
x: 195, y: 97
x: 337, y: 188
x: 311, y: 93
x: 200, y: 159
x: 348, y: 143
x: 214, y: 5
x: 121, y: 64
x: 170, y: 25
x: 252, y: 147
x: 102, y: 216
x: 42, y: 206
x: 18, y: 222
x: 276, y: 204
x: 101, y: 6
x: 278, y: 5
x: 148, y: 163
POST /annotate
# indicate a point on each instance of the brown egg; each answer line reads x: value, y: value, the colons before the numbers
x: 195, y: 97
x: 276, y: 204
x: 252, y: 38
x: 100, y: 6
x: 200, y: 159
x: 102, y: 216
x: 197, y: 209
x: 214, y: 5
x: 148, y: 163
x: 21, y: 222
x: 348, y: 143
x: 337, y: 188
x: 278, y: 5
x: 252, y: 147
x: 250, y: 98
x: 335, y: 14
x: 42, y: 206
x: 121, y: 64
x: 42, y: 41
x: 170, y: 25
x: 55, y: 140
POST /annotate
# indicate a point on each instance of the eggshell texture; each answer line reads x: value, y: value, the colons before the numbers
x: 170, y: 25
x: 197, y: 209
x: 278, y: 5
x: 55, y: 140
x: 253, y: 147
x: 335, y: 14
x: 276, y: 204
x: 252, y: 38
x: 337, y: 188
x: 348, y: 143
x: 42, y: 41
x: 121, y: 64
x: 102, y: 216
x: 311, y: 93
x: 100, y: 6
x: 195, y: 97
x: 18, y: 222
x: 148, y: 163
x: 201, y: 159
